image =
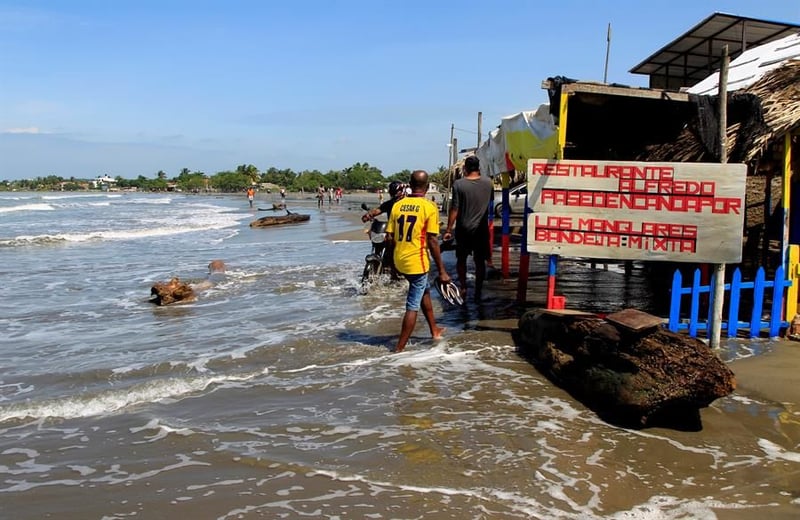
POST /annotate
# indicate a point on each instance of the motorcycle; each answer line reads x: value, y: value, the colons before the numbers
x: 377, y: 262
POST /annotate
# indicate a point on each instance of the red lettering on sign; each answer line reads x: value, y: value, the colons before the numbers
x: 627, y: 171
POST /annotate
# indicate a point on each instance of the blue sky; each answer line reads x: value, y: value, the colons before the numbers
x: 132, y: 87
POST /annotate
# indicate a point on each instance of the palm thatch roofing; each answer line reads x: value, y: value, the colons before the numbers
x: 757, y: 115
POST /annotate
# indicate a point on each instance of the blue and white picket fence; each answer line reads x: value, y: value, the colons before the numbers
x: 733, y: 291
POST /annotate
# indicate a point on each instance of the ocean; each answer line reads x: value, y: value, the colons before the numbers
x: 274, y: 394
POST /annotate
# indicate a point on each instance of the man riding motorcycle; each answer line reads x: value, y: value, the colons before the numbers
x: 397, y: 190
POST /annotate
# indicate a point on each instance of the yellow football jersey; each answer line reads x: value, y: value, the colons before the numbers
x: 412, y: 219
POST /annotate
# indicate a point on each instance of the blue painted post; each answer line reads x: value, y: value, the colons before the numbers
x: 735, y: 298
x: 758, y: 301
x: 675, y: 302
x: 505, y: 239
x: 777, y: 304
x: 695, y: 309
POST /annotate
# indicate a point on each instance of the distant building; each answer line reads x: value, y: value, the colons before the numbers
x: 104, y: 182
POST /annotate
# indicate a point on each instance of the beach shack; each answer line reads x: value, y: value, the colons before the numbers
x: 668, y: 130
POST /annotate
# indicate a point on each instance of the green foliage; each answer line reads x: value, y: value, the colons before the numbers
x: 231, y: 181
x: 359, y: 176
x: 441, y: 178
x: 402, y: 176
x: 249, y: 171
x: 308, y: 180
x: 363, y: 177
x: 285, y: 178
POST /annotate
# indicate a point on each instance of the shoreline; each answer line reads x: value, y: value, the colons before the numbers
x: 359, y: 231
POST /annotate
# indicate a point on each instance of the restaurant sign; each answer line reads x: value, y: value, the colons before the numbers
x: 677, y: 212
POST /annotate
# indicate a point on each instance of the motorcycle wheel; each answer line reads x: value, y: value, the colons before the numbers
x: 371, y: 272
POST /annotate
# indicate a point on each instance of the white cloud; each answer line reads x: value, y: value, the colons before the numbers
x: 25, y: 130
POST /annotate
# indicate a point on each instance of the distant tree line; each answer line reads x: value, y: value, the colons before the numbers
x: 360, y: 176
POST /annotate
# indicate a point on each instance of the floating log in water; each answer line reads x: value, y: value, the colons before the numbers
x: 289, y: 218
x: 626, y: 367
x: 174, y: 291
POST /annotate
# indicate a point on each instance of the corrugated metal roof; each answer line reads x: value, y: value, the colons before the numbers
x: 696, y: 54
x: 752, y: 65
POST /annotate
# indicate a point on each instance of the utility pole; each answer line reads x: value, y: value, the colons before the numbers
x: 480, y: 120
x: 608, y: 51
x: 448, y: 178
x: 450, y: 146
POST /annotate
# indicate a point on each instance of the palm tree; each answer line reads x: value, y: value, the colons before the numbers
x: 250, y: 171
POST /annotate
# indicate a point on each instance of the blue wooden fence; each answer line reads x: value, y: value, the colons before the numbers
x: 733, y: 291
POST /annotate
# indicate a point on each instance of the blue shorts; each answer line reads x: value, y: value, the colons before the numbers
x: 417, y: 285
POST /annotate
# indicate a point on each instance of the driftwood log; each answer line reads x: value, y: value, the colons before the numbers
x: 289, y: 218
x: 627, y: 368
x: 275, y: 207
x: 174, y: 291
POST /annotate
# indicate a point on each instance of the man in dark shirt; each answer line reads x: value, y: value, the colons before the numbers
x: 469, y: 216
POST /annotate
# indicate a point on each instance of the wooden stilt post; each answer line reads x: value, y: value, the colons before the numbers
x: 718, y: 299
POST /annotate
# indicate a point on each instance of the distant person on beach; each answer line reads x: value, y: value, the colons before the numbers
x: 338, y: 195
x: 380, y: 195
x: 320, y: 195
x: 469, y: 215
x: 283, y: 194
x: 216, y: 273
x: 251, y: 194
x: 413, y: 228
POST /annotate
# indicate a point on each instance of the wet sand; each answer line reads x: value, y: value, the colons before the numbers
x: 770, y: 374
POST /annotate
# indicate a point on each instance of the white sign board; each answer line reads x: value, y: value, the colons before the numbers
x: 677, y: 212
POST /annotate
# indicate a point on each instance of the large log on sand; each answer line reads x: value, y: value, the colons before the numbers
x: 627, y: 368
x: 290, y: 218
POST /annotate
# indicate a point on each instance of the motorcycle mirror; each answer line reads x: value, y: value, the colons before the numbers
x: 364, y: 206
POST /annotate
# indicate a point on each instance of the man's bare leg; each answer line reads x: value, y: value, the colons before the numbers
x: 409, y: 321
x: 427, y: 311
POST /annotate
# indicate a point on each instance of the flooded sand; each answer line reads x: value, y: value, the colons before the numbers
x: 274, y: 395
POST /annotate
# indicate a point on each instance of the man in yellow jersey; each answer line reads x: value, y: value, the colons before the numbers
x: 413, y: 227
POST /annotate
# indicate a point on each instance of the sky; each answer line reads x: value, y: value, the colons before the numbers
x: 129, y: 88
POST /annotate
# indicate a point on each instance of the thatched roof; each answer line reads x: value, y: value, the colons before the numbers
x: 751, y: 130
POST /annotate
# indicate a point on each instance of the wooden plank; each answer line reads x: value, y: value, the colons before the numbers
x: 608, y: 90
x: 634, y: 319
x: 566, y: 312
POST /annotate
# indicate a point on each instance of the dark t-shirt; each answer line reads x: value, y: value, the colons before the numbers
x: 386, y: 207
x: 471, y: 197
